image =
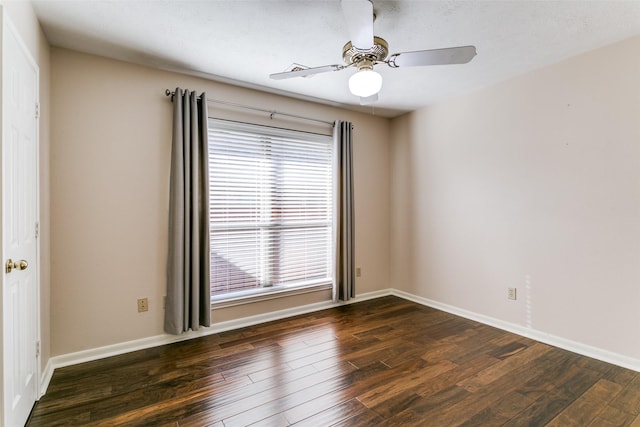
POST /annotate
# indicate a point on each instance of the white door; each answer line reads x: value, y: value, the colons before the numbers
x: 19, y: 215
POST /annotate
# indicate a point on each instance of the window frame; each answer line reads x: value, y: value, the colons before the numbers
x: 278, y: 291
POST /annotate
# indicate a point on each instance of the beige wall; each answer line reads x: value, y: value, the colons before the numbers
x: 533, y: 183
x: 111, y: 126
x: 22, y: 16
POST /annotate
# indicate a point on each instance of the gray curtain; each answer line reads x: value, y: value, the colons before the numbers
x: 188, y: 303
x: 344, y: 226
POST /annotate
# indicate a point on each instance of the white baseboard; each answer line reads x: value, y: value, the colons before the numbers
x: 45, y: 378
x: 158, y: 340
x: 566, y: 344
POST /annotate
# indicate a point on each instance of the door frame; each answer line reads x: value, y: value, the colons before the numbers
x: 7, y: 25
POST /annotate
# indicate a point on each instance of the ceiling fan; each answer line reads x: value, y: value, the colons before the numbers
x: 365, y: 50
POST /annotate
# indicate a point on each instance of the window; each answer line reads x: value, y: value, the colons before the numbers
x: 271, y: 209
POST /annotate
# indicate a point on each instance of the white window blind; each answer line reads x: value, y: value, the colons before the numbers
x: 271, y: 208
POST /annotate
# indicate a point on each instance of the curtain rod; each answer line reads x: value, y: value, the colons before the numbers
x: 271, y: 113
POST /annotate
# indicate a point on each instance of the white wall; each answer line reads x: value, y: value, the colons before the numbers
x: 533, y: 183
x: 111, y: 136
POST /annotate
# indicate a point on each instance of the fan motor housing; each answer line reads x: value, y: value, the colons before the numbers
x: 377, y: 53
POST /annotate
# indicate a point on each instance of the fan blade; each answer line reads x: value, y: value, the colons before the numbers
x: 451, y: 55
x: 359, y: 17
x: 369, y: 99
x: 306, y: 72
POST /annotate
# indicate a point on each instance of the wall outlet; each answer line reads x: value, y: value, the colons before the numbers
x: 143, y: 305
x: 512, y: 293
x: 358, y: 272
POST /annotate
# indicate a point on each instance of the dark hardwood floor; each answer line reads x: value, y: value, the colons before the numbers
x: 381, y: 362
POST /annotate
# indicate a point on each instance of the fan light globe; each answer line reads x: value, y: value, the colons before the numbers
x: 365, y: 83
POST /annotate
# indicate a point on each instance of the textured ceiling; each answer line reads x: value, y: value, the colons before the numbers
x: 242, y: 42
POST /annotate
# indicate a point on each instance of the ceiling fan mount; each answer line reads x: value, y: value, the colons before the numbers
x: 365, y: 50
x: 353, y: 56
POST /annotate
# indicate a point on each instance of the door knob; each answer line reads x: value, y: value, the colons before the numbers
x: 10, y: 265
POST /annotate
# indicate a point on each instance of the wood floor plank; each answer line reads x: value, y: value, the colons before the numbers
x: 462, y: 372
x: 512, y: 404
x: 504, y: 367
x: 405, y: 418
x: 366, y: 418
x: 486, y: 417
x: 332, y: 414
x: 380, y: 394
x: 479, y: 343
x: 289, y: 400
x: 367, y: 377
x: 611, y: 416
x: 395, y: 403
x: 541, y: 411
x: 629, y: 398
x: 569, y: 384
x: 384, y: 362
x: 489, y: 395
x: 588, y: 406
x: 620, y: 375
x: 222, y: 405
x: 383, y: 352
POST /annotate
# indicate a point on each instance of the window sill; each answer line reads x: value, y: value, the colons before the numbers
x: 265, y: 295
